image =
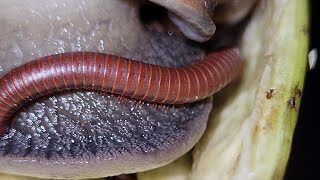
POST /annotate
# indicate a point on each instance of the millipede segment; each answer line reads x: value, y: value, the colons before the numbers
x: 114, y: 74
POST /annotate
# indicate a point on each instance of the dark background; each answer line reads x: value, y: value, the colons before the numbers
x: 304, y: 162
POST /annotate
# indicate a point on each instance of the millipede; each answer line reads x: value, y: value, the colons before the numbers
x: 118, y: 75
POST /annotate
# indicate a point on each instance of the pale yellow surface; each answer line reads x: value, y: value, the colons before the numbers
x: 177, y: 170
x: 13, y: 177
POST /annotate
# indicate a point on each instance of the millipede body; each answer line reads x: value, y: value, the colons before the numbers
x: 114, y: 74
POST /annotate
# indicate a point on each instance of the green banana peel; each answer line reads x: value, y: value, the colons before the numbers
x: 250, y: 131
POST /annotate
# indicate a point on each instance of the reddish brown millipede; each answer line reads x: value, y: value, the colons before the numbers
x: 129, y: 78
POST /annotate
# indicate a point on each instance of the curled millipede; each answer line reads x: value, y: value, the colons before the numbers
x: 114, y: 74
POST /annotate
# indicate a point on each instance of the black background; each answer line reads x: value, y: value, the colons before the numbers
x: 304, y: 162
